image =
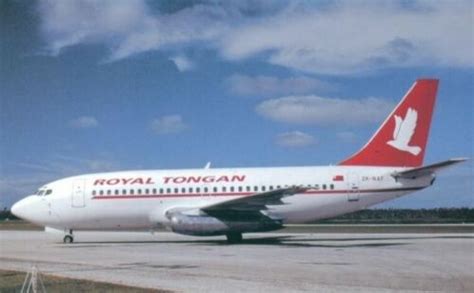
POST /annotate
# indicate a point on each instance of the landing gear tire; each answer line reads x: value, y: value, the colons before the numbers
x: 68, y: 239
x: 234, y: 238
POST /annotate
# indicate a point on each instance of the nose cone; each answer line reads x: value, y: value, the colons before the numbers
x: 31, y: 209
x: 19, y: 208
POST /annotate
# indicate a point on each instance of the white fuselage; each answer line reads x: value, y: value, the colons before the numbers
x: 140, y: 199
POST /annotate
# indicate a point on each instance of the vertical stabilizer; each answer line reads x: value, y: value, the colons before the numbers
x: 401, y: 140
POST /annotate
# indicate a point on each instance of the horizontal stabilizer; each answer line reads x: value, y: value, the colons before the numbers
x: 429, y: 169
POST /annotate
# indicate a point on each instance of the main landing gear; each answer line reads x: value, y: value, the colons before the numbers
x: 68, y: 238
x: 234, y: 237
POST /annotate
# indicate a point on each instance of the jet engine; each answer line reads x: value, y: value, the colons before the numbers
x: 205, y: 225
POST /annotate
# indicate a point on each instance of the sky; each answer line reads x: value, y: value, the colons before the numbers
x: 96, y: 86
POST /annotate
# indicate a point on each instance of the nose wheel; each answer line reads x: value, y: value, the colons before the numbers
x: 68, y: 238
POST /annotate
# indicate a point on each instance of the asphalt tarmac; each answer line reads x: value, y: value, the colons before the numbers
x: 267, y: 262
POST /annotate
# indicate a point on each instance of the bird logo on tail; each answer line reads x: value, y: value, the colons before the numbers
x: 403, y: 132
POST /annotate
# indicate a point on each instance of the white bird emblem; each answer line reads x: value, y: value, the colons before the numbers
x: 403, y: 132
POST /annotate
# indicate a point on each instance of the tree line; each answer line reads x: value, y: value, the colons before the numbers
x: 405, y: 216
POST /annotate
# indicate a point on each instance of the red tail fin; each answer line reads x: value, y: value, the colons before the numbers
x: 401, y: 140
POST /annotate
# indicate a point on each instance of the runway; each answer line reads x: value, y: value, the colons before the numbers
x: 272, y: 262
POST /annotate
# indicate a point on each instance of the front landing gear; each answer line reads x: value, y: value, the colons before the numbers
x: 68, y: 238
x: 234, y: 237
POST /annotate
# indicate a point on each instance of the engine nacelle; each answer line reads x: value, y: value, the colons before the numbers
x: 204, y: 225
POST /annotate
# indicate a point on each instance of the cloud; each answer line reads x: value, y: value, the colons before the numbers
x: 263, y: 85
x: 341, y: 37
x: 168, y: 124
x: 84, y: 122
x: 349, y: 37
x: 183, y: 63
x: 295, y: 139
x: 69, y: 22
x: 125, y: 27
x: 324, y: 111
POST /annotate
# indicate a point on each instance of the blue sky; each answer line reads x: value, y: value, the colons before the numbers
x: 102, y: 86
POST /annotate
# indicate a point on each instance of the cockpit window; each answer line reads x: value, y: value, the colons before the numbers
x: 40, y: 192
x: 48, y: 192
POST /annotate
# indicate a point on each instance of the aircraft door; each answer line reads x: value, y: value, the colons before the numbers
x: 78, y: 199
x: 353, y: 191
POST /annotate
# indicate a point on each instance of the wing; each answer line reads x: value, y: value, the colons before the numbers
x: 408, y: 126
x: 398, y: 122
x: 250, y: 206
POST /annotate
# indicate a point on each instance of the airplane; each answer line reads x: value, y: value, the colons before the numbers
x: 232, y: 201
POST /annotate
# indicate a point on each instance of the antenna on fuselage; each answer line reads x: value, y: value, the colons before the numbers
x: 208, y: 165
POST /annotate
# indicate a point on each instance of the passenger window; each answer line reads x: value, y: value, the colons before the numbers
x: 240, y: 188
x: 247, y: 188
x: 161, y: 190
x: 223, y: 189
x: 93, y: 192
x: 332, y: 186
x: 176, y: 190
x: 124, y: 191
x: 183, y: 190
x: 324, y: 186
x: 168, y: 190
x: 205, y: 189
x: 232, y: 189
x: 198, y: 190
x: 215, y: 189
x: 116, y: 191
x: 278, y: 187
x: 190, y: 190
x: 139, y: 191
x: 255, y: 188
x: 270, y: 188
x: 263, y: 188
x: 316, y: 186
x: 131, y: 191
x: 147, y: 191
x: 101, y: 192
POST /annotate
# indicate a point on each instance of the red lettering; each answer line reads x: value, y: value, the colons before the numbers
x: 126, y: 181
x: 193, y: 179
x: 99, y: 182
x: 238, y: 178
x: 223, y: 179
x: 179, y: 180
x: 137, y: 181
x: 208, y: 179
x: 113, y: 181
x: 149, y: 180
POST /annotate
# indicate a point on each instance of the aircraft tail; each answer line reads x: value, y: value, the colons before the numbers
x: 401, y: 139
